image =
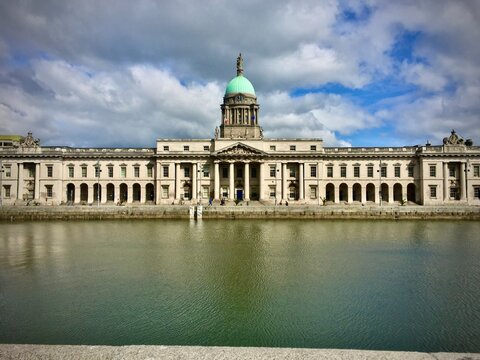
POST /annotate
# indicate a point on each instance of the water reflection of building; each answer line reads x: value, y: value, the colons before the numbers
x: 240, y: 164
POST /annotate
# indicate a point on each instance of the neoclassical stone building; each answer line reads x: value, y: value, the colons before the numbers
x: 239, y: 164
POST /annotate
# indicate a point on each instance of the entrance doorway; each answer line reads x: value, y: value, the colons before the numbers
x: 239, y: 194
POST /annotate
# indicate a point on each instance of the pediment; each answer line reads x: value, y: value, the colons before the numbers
x: 240, y: 149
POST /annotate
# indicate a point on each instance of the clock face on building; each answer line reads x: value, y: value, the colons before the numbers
x: 239, y: 98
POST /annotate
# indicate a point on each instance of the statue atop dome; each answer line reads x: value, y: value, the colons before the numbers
x: 239, y: 65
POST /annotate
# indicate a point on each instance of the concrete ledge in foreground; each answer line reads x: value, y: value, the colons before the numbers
x: 81, y: 352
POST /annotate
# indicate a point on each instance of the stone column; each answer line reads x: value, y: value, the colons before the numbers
x: 463, y: 183
x: 284, y: 181
x: 194, y: 181
x: 301, y: 182
x: 216, y: 181
x: 20, y: 182
x: 260, y: 179
x: 445, y: 181
x: 391, y: 194
x: 143, y: 193
x: 103, y: 193
x: 37, y: 182
x: 90, y: 195
x: 364, y: 194
x: 177, y: 181
x: 350, y: 194
x: 129, y: 194
x: 77, y: 194
x: 247, y: 181
x: 158, y: 183
x: 231, y: 179
x: 336, y: 194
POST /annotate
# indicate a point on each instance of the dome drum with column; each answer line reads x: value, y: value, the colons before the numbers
x: 240, y: 108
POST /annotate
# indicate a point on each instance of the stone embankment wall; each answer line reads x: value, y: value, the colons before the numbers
x: 22, y: 213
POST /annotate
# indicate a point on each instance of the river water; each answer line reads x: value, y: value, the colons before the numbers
x: 405, y: 285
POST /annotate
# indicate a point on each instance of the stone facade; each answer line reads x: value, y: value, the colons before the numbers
x: 239, y: 164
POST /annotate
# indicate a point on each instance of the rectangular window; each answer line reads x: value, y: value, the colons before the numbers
x: 166, y: 148
x: 433, y: 191
x: 239, y: 172
x: 97, y: 171
x: 165, y: 192
x: 330, y: 171
x: 433, y: 171
x: 397, y: 171
x: 84, y: 171
x: 343, y: 171
x: 136, y: 171
x: 292, y: 193
x: 476, y: 192
x: 8, y: 171
x: 205, y: 192
x: 224, y: 192
x: 71, y: 173
x: 225, y: 172
x: 313, y: 147
x: 254, y: 173
x: 123, y: 171
x: 186, y: 148
x: 476, y: 170
x: 206, y: 171
x: 273, y: 147
x: 451, y: 170
x: 165, y: 171
x: 293, y: 148
x: 206, y: 147
x: 292, y: 171
x: 110, y: 171
x: 186, y: 171
x: 410, y: 171
x: 49, y: 171
x: 31, y: 172
x: 272, y: 171
x: 6, y: 191
x: 356, y: 171
x: 313, y: 192
x: 313, y: 171
x: 370, y: 171
x: 383, y: 171
x: 272, y: 192
x: 149, y: 171
x: 49, y: 189
x: 453, y: 192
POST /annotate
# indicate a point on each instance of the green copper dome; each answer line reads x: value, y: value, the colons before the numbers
x: 240, y: 84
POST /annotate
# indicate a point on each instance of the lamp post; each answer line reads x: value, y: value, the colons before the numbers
x: 199, y: 182
x: 467, y: 169
x: 276, y: 186
x: 1, y: 187
x: 318, y: 185
x: 98, y: 181
x: 380, y: 183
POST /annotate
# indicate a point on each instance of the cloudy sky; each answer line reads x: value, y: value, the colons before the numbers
x: 124, y: 73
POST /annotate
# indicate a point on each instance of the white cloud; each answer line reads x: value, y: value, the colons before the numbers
x: 313, y: 115
x: 423, y: 76
x: 131, y: 107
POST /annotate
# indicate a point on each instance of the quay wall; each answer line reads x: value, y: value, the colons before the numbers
x: 85, y: 352
x: 24, y: 213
